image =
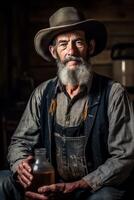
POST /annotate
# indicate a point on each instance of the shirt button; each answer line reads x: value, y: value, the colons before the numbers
x: 67, y: 120
x: 68, y: 117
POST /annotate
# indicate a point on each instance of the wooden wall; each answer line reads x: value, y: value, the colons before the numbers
x: 19, y: 22
x: 118, y: 16
x: 22, y: 20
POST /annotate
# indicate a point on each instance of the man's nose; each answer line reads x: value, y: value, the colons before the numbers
x: 72, y: 50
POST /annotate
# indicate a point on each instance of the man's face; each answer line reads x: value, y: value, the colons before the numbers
x: 72, y: 44
x: 71, y: 52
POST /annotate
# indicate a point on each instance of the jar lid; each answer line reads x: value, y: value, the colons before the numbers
x: 40, y: 150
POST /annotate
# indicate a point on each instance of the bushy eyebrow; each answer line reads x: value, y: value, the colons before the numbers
x: 61, y: 41
x: 64, y: 40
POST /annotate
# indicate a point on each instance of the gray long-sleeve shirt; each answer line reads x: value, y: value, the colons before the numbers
x: 120, y: 140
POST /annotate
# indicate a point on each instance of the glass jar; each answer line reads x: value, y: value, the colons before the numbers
x: 43, y: 171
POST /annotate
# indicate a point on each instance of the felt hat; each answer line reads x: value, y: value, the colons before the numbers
x: 67, y: 19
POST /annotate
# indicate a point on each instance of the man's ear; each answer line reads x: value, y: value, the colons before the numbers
x: 53, y: 51
x: 92, y: 46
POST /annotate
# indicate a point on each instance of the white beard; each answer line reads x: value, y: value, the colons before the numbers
x: 79, y: 76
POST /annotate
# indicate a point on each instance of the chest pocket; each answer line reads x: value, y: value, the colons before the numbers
x: 70, y: 156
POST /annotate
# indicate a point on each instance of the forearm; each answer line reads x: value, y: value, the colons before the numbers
x: 82, y: 184
x: 20, y: 149
x: 26, y: 136
x: 110, y: 173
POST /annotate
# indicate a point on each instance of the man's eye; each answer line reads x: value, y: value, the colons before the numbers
x: 79, y: 43
x: 62, y: 44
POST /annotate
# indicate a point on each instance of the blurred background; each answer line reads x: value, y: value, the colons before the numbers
x: 21, y: 69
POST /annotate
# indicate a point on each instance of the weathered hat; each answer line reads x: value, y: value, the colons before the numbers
x: 67, y: 19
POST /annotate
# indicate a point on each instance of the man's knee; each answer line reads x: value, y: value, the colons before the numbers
x: 107, y: 193
x: 8, y: 187
x: 5, y: 179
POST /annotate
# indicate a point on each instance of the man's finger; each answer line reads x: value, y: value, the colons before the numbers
x: 21, y: 182
x: 44, y: 189
x: 26, y: 163
x: 36, y: 196
x: 52, y: 188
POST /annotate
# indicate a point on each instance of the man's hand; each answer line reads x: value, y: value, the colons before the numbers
x: 54, y: 190
x: 24, y: 172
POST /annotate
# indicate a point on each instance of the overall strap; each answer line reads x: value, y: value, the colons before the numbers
x: 97, y: 118
x: 98, y: 85
x: 46, y: 117
x: 93, y: 103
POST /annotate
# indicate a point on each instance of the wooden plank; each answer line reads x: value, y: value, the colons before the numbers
x: 106, y: 70
x: 105, y: 10
x: 40, y: 74
x: 120, y: 28
x: 103, y: 58
x: 119, y: 39
x: 109, y: 11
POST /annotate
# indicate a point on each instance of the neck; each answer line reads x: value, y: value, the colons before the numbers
x: 72, y: 90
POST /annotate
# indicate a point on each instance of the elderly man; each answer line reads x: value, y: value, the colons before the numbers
x: 84, y: 120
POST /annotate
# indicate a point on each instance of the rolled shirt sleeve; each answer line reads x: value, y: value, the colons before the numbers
x: 118, y: 167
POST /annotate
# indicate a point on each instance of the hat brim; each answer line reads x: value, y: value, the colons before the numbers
x: 94, y: 28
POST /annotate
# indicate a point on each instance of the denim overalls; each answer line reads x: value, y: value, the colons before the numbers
x: 94, y: 138
x: 70, y: 152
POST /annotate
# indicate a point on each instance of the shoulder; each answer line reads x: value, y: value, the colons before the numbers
x: 43, y: 86
x: 118, y: 97
x: 114, y: 89
x: 117, y: 90
x: 102, y: 82
x: 38, y: 92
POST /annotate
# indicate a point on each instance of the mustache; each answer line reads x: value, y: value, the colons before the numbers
x: 72, y: 58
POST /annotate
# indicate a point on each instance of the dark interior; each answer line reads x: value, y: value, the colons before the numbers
x: 21, y: 69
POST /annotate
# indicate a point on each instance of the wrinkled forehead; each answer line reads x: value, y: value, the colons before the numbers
x: 71, y: 35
